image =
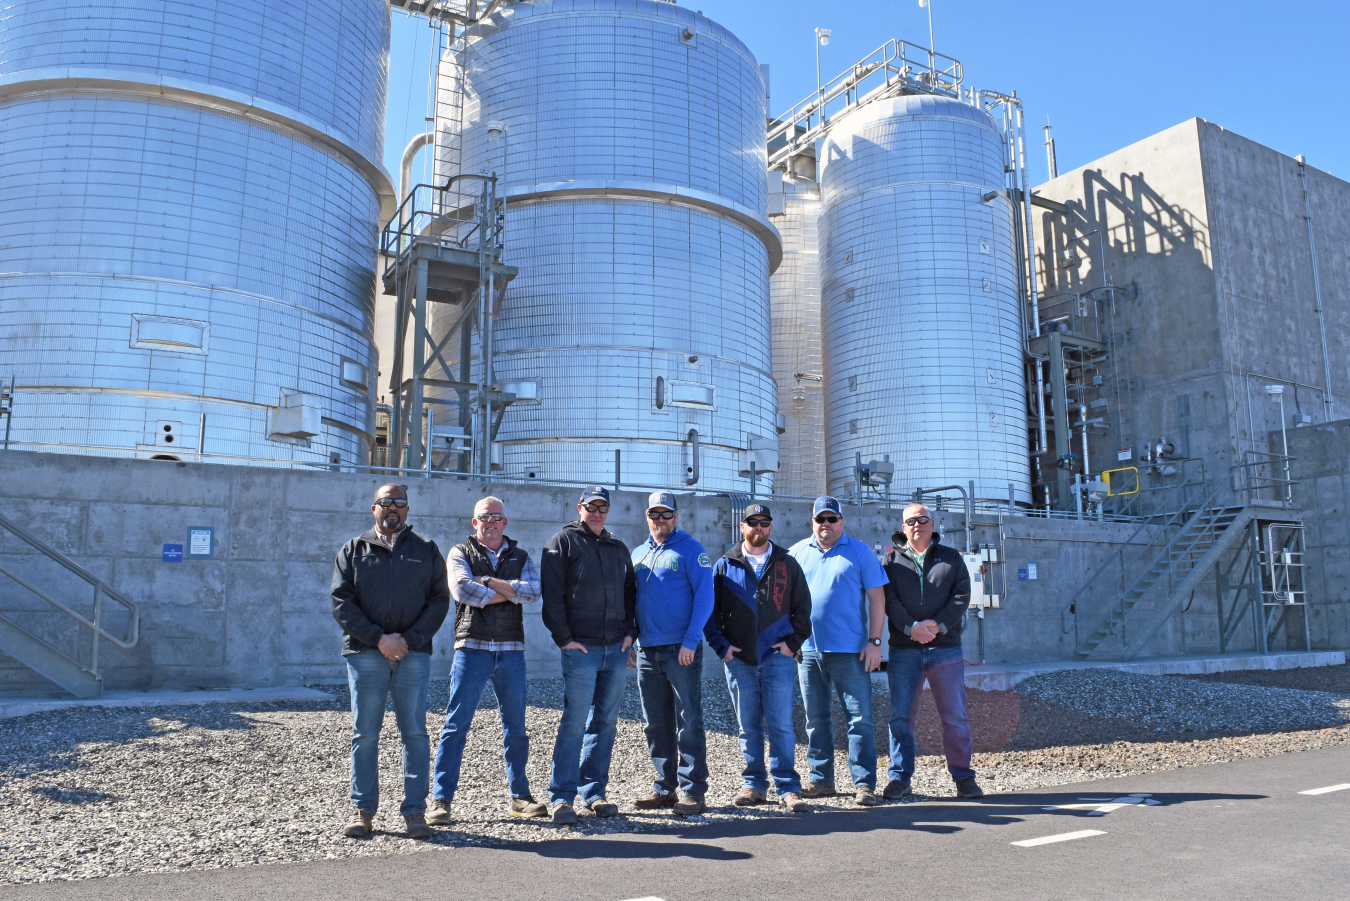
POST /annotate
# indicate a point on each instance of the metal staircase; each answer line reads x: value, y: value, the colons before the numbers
x: 81, y: 680
x: 1130, y: 596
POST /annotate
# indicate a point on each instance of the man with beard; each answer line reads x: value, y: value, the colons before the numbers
x: 761, y: 616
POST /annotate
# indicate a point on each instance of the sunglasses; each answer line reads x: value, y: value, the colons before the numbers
x: 828, y: 519
x: 661, y: 515
x: 595, y: 508
x: 491, y: 517
x: 386, y: 502
x: 918, y: 520
x: 759, y: 523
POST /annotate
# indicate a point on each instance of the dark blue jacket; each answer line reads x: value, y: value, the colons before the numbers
x: 755, y: 614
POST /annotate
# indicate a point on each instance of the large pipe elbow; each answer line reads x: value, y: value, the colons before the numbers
x: 405, y: 170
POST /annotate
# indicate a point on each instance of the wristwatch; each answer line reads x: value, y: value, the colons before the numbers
x: 875, y: 641
x: 486, y: 580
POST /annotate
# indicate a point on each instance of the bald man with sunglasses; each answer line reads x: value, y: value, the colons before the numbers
x: 927, y: 595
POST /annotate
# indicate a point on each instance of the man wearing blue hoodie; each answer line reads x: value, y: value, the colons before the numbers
x: 674, y: 600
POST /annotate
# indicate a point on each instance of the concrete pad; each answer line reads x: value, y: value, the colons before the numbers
x: 1002, y: 677
x: 12, y: 707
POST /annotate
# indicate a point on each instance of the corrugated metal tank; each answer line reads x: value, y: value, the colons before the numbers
x: 794, y: 294
x: 634, y: 165
x: 189, y: 202
x: 919, y: 300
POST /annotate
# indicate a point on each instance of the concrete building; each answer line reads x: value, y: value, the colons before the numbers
x: 1188, y: 256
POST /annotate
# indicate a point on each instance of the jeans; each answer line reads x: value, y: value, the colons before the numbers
x: 372, y: 677
x: 945, y: 670
x: 469, y: 672
x: 762, y: 698
x: 820, y: 674
x: 593, y: 685
x: 672, y: 710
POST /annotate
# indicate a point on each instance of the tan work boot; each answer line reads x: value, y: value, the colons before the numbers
x: 417, y: 826
x: 359, y: 825
x: 438, y: 814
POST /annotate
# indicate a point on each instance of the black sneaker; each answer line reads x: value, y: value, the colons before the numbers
x: 968, y: 788
x: 897, y: 790
x: 564, y: 815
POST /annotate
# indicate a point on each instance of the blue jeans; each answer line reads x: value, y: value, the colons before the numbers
x: 469, y: 672
x: 762, y: 697
x: 593, y: 685
x: 821, y: 674
x: 372, y: 677
x: 945, y: 670
x: 672, y: 711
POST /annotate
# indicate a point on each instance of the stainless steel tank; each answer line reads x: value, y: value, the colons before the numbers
x: 919, y: 300
x: 191, y: 196
x: 794, y: 292
x: 634, y: 165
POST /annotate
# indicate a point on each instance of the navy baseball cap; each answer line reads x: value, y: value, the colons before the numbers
x: 757, y: 510
x: 661, y: 500
x: 594, y: 493
x: 826, y: 504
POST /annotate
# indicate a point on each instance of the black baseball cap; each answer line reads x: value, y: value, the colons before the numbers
x: 593, y: 493
x: 757, y: 510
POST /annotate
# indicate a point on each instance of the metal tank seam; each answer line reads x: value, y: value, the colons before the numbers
x: 78, y: 80
x: 632, y: 348
x: 678, y: 195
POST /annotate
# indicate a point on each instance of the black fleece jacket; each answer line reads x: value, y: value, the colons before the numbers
x: 377, y: 591
x: 940, y: 593
x: 588, y: 586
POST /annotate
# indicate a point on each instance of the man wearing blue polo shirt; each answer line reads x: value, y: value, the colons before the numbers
x: 848, y: 616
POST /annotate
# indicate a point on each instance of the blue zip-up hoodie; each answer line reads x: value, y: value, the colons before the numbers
x: 675, y: 590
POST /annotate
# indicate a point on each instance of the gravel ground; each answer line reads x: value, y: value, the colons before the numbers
x: 1308, y: 678
x: 91, y: 792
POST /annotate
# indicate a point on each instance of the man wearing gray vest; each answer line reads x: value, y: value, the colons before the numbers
x: 490, y: 578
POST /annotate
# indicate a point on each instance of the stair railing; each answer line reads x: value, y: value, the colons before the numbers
x: 1178, y: 499
x: 102, y: 591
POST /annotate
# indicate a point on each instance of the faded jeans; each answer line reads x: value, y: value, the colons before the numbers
x: 823, y: 673
x: 762, y: 697
x: 372, y: 677
x: 469, y: 672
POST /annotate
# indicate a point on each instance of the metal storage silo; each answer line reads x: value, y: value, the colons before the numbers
x: 794, y: 294
x: 189, y: 202
x: 634, y: 169
x: 921, y: 334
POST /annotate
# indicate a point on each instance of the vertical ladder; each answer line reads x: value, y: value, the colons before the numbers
x: 7, y: 406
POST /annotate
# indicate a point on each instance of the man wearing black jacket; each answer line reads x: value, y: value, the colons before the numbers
x: 927, y: 593
x: 590, y: 606
x: 761, y: 615
x: 390, y: 595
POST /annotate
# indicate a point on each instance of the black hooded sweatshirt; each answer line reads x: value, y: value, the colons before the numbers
x: 940, y: 593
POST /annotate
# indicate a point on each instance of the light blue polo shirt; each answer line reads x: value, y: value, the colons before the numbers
x: 838, y: 579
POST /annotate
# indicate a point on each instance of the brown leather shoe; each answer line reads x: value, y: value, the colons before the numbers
x: 817, y: 789
x: 794, y: 803
x: 655, y: 801
x: 527, y: 807
x: 438, y: 814
x: 689, y: 805
x: 359, y: 825
x: 748, y: 797
x: 417, y: 826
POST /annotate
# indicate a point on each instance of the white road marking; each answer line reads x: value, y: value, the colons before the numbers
x: 648, y: 898
x: 1062, y: 837
x: 1328, y: 790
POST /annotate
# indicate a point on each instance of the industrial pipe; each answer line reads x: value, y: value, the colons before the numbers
x: 965, y: 499
x: 1317, y: 285
x: 693, y: 440
x: 405, y: 170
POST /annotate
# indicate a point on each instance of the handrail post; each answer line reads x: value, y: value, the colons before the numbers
x: 98, y: 627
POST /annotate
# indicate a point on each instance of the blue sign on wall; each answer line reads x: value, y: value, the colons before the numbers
x: 1022, y: 574
x: 173, y: 553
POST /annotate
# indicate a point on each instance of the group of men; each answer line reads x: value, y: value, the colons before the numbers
x: 811, y: 617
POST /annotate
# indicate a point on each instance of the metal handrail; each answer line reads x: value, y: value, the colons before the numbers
x: 101, y: 590
x: 1169, y: 519
x: 1248, y: 483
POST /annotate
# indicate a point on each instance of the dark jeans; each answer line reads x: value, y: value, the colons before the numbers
x: 824, y: 673
x: 672, y: 708
x: 593, y: 684
x: 945, y: 670
x: 469, y: 672
x: 762, y: 697
x: 373, y: 677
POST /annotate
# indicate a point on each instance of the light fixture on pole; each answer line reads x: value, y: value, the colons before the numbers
x: 495, y: 130
x: 932, y: 48
x: 822, y: 40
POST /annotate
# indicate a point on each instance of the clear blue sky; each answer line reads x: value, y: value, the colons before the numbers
x: 1106, y: 74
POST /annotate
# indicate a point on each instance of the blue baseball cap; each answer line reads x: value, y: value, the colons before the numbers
x: 593, y: 493
x: 661, y: 500
x: 826, y: 504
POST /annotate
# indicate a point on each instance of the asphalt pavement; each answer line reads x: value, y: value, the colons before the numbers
x: 1266, y: 829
